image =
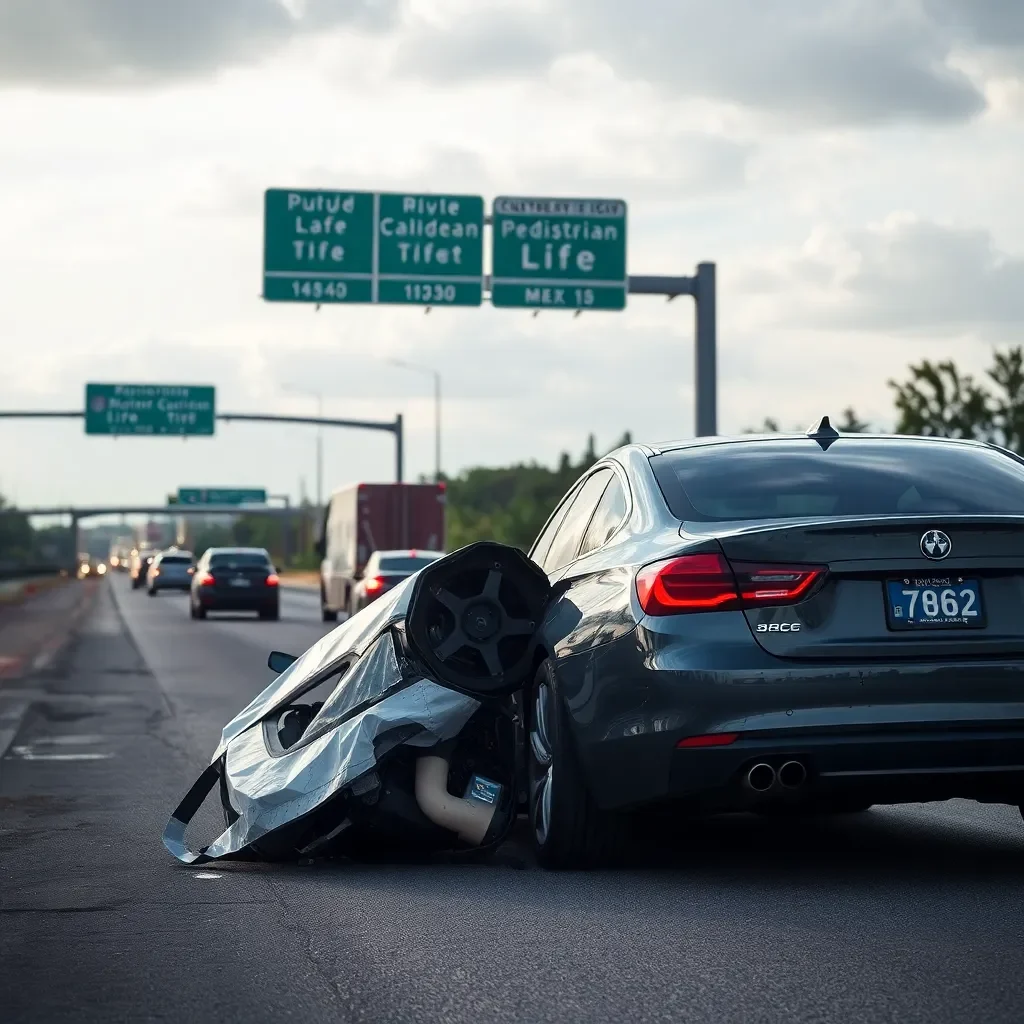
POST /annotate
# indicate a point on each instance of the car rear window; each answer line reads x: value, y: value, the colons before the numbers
x: 854, y: 477
x: 175, y: 560
x: 241, y: 560
x: 403, y: 563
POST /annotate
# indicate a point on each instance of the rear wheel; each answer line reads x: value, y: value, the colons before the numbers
x: 200, y: 612
x: 568, y: 829
x: 270, y: 614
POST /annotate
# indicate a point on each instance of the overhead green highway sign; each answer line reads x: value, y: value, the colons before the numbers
x: 327, y: 246
x: 221, y: 496
x: 149, y: 409
x: 559, y: 253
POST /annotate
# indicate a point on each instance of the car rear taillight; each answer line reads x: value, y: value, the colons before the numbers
x: 374, y: 584
x: 206, y: 579
x: 707, y: 582
x: 273, y: 579
x: 691, y: 583
x: 775, y: 584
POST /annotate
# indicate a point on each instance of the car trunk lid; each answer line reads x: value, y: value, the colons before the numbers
x: 882, y: 596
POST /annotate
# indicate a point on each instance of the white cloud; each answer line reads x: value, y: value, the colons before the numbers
x: 749, y: 136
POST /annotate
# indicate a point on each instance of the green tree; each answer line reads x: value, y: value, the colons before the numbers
x: 16, y: 536
x: 938, y: 400
x: 850, y: 423
x: 510, y: 504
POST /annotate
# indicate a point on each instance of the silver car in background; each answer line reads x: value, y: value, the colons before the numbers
x: 170, y: 570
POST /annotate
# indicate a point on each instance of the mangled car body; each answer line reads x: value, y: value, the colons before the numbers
x: 415, y: 707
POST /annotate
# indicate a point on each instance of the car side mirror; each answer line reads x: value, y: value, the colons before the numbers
x: 279, y: 661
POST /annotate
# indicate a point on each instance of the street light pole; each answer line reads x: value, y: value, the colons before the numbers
x: 319, y: 440
x: 437, y: 408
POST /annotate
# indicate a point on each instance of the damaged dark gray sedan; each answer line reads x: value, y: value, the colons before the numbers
x: 813, y: 624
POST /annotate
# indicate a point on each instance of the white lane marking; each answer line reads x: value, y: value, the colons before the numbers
x: 68, y: 741
x: 13, y: 714
x: 207, y: 874
x: 28, y: 754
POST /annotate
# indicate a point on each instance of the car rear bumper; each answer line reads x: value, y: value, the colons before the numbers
x: 235, y: 602
x: 887, y: 732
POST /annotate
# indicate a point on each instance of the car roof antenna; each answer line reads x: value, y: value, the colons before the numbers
x: 824, y: 433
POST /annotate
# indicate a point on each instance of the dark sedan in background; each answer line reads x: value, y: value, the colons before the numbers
x: 384, y: 571
x: 235, y: 580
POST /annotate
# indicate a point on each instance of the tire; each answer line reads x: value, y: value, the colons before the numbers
x: 192, y: 611
x: 200, y: 612
x: 270, y: 614
x: 151, y: 592
x: 571, y: 831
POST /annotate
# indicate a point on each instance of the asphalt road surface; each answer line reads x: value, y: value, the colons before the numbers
x: 901, y: 914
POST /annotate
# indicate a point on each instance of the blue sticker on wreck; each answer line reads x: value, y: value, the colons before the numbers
x: 483, y: 790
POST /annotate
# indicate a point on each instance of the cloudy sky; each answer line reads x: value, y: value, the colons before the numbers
x: 854, y: 167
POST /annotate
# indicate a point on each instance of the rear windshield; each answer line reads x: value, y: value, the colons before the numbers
x: 175, y: 560
x: 405, y: 563
x: 240, y: 560
x: 854, y: 477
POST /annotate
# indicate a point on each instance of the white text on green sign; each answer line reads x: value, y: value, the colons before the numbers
x: 559, y: 253
x: 149, y: 409
x: 327, y: 246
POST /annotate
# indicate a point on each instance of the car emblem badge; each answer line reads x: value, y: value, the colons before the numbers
x: 935, y: 545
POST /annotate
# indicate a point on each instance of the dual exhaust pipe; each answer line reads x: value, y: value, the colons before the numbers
x: 762, y: 777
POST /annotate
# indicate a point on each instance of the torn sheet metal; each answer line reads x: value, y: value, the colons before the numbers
x: 351, y: 637
x: 271, y: 776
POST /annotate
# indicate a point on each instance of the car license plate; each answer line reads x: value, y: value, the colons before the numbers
x: 239, y: 583
x: 934, y: 602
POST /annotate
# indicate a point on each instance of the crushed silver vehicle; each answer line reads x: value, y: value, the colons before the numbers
x: 411, y: 744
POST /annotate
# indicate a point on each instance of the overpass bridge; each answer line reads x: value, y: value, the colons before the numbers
x: 76, y: 513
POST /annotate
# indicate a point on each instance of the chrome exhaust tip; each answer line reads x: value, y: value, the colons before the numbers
x: 792, y: 775
x: 761, y: 778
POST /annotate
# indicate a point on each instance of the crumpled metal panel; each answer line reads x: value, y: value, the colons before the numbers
x: 353, y: 635
x: 268, y: 792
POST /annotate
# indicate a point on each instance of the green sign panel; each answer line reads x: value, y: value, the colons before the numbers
x: 149, y: 409
x: 559, y: 253
x: 388, y: 247
x: 221, y: 496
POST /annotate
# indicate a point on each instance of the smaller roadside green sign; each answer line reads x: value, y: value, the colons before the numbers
x: 559, y: 253
x: 221, y: 496
x: 150, y: 409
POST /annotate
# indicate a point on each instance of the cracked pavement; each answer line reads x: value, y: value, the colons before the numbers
x: 903, y: 914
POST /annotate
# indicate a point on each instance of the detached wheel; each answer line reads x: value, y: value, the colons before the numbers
x: 568, y: 829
